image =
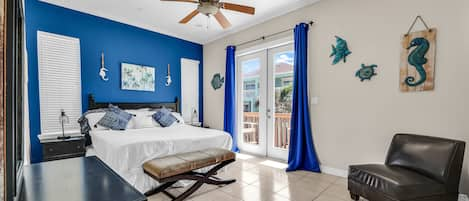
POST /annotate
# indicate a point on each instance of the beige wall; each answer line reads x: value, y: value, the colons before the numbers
x: 354, y: 121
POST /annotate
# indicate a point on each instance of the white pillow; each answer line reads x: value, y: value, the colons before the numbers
x: 93, y: 119
x: 144, y: 119
x: 137, y: 110
x: 131, y: 124
x: 179, y: 118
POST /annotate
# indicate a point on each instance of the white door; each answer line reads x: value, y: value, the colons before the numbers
x: 251, y: 88
x: 190, y: 90
x: 279, y: 97
x: 265, y: 83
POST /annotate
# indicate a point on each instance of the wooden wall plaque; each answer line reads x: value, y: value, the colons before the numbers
x: 417, y: 68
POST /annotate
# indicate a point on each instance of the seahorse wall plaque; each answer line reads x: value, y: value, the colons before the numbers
x: 417, y: 70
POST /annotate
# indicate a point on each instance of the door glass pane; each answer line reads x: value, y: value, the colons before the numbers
x: 250, y: 76
x: 283, y: 78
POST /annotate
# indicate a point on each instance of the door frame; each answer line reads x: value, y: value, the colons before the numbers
x: 259, y: 48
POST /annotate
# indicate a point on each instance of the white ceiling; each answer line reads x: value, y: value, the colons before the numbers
x: 163, y: 17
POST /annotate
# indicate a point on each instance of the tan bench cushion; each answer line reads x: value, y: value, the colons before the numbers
x: 168, y: 166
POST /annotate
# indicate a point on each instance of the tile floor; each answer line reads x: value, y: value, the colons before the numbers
x: 259, y: 179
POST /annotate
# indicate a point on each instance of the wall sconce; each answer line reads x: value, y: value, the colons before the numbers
x: 168, y: 77
x: 103, y: 69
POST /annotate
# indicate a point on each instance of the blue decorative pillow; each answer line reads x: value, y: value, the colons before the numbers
x: 123, y: 114
x: 115, y: 118
x: 164, y: 117
x: 110, y: 120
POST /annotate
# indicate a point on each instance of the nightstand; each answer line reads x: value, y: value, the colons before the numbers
x: 198, y: 124
x: 56, y: 149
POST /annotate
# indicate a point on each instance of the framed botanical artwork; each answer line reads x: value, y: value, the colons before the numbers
x: 137, y: 77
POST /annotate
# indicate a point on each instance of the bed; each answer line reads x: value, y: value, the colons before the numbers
x: 126, y: 151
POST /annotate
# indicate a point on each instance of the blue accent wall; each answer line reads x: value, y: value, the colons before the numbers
x: 120, y: 43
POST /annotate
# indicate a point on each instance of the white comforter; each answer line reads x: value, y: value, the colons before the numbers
x: 126, y: 151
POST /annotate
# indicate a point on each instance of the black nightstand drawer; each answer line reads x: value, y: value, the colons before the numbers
x: 61, y: 149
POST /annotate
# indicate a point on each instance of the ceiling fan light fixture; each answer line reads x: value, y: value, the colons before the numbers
x: 212, y: 8
x: 208, y: 8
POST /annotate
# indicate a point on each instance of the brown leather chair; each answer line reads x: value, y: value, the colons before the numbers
x: 417, y: 168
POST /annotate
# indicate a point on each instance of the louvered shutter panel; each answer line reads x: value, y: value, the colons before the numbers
x: 59, y: 70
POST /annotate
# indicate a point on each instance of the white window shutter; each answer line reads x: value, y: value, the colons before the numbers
x: 59, y: 70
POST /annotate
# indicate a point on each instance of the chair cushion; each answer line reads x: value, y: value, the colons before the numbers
x: 396, y: 182
x: 427, y: 155
x: 168, y: 166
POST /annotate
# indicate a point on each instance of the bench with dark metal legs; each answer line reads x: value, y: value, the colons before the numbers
x: 168, y: 170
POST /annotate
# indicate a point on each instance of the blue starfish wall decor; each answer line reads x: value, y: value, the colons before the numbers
x: 340, y: 51
x: 366, y: 72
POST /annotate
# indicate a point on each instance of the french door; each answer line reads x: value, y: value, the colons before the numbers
x: 265, y: 83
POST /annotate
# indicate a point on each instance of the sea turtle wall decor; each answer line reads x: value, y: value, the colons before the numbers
x: 340, y: 51
x: 366, y: 72
x: 217, y: 81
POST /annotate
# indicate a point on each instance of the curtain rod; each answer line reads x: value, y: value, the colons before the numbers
x: 270, y: 35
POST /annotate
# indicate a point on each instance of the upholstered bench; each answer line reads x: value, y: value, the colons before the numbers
x: 170, y: 169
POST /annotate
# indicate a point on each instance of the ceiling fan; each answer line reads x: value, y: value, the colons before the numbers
x: 212, y: 7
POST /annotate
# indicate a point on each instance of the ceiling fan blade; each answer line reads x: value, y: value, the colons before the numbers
x: 187, y: 1
x: 189, y: 17
x: 239, y: 8
x: 222, y: 20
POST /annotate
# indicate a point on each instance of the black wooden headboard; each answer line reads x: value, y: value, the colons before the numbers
x: 92, y: 104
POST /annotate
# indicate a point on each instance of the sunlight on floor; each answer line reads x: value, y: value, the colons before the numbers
x: 243, y: 156
x: 263, y: 179
x: 274, y: 164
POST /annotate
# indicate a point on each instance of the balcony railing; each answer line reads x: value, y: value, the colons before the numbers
x: 281, y: 138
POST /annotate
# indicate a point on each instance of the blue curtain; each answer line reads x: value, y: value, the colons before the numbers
x: 229, y: 123
x: 302, y: 155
